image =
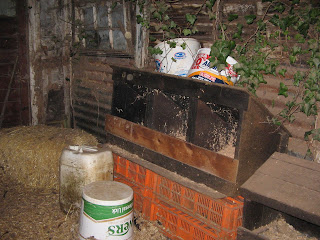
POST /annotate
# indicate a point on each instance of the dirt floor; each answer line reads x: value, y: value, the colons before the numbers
x: 279, y: 229
x: 29, y: 214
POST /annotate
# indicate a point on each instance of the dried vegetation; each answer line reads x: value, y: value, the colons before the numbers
x: 31, y: 154
x: 29, y: 186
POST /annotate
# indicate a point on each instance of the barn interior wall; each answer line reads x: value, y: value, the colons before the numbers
x: 89, y: 76
x: 49, y: 43
x: 14, y: 79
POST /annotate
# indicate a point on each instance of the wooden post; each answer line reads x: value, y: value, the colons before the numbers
x: 142, y: 39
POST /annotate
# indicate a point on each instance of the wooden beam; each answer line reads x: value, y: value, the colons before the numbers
x: 203, y: 159
x: 287, y: 184
x: 175, y: 167
x: 221, y: 94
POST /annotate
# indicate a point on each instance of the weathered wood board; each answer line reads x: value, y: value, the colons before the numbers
x: 287, y: 184
x: 206, y: 160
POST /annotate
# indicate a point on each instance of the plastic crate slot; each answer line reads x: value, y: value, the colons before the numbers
x: 215, y: 217
x: 176, y: 198
x: 204, y: 201
x: 198, y: 234
x: 186, y: 226
x: 151, y: 179
x: 164, y: 192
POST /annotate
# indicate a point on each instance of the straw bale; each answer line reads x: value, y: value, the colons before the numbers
x: 31, y: 154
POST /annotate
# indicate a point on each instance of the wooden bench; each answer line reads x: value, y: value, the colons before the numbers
x: 286, y: 184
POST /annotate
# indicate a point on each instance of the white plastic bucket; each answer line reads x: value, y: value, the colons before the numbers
x: 183, y: 58
x: 201, y: 70
x: 106, y: 211
x: 81, y: 165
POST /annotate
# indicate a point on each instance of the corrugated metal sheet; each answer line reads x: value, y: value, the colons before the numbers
x: 90, y: 108
x: 92, y: 89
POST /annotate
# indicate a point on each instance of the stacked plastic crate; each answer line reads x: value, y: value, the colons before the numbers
x: 183, y: 213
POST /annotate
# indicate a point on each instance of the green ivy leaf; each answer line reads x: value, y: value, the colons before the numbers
x: 210, y: 3
x: 316, y: 62
x: 303, y: 28
x: 262, y: 25
x: 186, y: 32
x: 155, y: 51
x: 298, y: 77
x: 293, y: 2
x: 114, y: 5
x: 283, y: 90
x: 279, y: 7
x: 139, y: 19
x: 152, y: 38
x: 172, y: 44
x: 165, y: 27
x: 173, y: 24
x: 315, y: 133
x: 276, y: 122
x: 191, y: 18
x: 292, y: 59
x: 184, y: 45
x: 307, y: 134
x: 275, y: 20
x: 232, y: 17
x: 236, y: 35
x: 291, y: 118
x: 166, y: 17
x: 250, y: 18
x: 282, y: 72
x: 306, y: 108
x: 157, y: 15
x: 296, y: 50
x: 299, y: 38
x: 290, y: 104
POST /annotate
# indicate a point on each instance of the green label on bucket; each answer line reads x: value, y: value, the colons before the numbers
x: 100, y: 212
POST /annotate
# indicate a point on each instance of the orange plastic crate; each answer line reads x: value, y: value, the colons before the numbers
x: 141, y: 203
x: 133, y: 172
x: 226, y: 212
x: 179, y: 225
x: 184, y: 213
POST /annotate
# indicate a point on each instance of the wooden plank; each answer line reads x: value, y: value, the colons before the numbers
x: 161, y: 170
x: 314, y: 166
x: 223, y: 187
x: 303, y: 173
x: 208, y: 161
x: 245, y: 234
x: 230, y: 96
x: 258, y: 140
x: 289, y: 186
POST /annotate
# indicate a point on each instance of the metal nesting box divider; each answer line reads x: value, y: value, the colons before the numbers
x: 181, y: 124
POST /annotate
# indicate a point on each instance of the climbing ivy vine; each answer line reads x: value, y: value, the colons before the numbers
x: 290, y: 27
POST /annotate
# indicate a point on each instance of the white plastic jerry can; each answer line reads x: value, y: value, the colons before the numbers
x: 79, y: 166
